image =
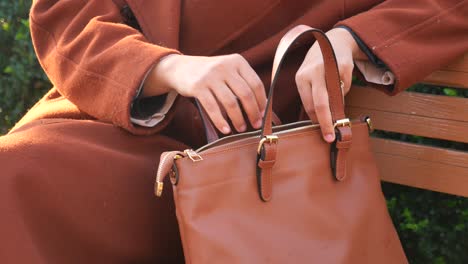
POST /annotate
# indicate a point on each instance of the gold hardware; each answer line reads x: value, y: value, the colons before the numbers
x: 270, y: 138
x: 342, y: 123
x: 193, y: 155
x: 369, y: 124
x: 159, y: 188
x: 341, y: 85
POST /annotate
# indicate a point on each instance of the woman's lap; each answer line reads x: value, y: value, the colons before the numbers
x: 82, y: 191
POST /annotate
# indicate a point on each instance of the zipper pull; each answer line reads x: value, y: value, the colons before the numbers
x: 193, y: 155
x: 165, y: 164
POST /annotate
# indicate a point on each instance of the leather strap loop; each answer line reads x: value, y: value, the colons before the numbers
x: 265, y: 163
x: 341, y: 146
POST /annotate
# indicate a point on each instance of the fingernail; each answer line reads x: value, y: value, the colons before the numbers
x: 258, y: 124
x: 329, y: 138
x: 226, y: 130
x: 242, y: 128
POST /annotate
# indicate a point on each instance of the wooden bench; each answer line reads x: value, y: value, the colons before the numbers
x: 426, y: 115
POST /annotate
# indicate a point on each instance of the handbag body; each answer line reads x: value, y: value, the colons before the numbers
x: 282, y: 194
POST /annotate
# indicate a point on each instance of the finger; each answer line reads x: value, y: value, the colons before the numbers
x: 229, y: 101
x: 310, y: 110
x: 209, y: 103
x: 255, y: 83
x: 247, y: 97
x: 322, y: 106
x: 346, y: 74
x: 304, y: 88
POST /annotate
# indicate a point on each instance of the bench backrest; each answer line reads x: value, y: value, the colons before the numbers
x: 426, y: 115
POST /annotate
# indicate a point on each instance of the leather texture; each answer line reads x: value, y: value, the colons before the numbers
x: 304, y: 213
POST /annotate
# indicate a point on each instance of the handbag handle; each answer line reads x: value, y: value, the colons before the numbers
x: 332, y: 76
x: 268, y: 142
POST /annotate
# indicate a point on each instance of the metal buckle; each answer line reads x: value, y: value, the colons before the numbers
x: 342, y: 123
x: 369, y: 124
x: 270, y: 138
x: 159, y: 188
x: 194, y: 156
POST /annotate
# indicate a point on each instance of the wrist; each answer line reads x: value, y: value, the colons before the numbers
x: 348, y: 38
x: 157, y: 82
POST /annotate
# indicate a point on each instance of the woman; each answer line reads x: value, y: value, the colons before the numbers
x: 77, y: 170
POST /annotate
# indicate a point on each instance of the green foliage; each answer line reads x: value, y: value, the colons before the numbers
x: 438, y: 90
x: 433, y: 227
x: 22, y: 81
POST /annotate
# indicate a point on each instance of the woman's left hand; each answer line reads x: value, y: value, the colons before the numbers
x: 310, y: 78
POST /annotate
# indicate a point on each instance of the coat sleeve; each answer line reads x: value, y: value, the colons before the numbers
x: 94, y: 59
x: 413, y: 38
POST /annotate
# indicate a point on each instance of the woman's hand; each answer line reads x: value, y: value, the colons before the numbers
x: 310, y: 78
x: 217, y: 82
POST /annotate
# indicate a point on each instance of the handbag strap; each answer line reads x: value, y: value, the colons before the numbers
x: 332, y: 76
x: 268, y: 142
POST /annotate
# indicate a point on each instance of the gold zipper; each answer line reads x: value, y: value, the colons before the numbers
x: 195, y: 156
x: 159, y: 186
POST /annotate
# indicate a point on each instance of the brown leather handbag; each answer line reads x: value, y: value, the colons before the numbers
x: 282, y: 194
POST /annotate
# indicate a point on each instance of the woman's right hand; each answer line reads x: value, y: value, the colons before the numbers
x: 217, y: 82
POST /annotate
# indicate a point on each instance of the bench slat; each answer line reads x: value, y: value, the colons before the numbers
x: 414, y: 125
x: 448, y: 78
x: 461, y: 64
x: 423, y: 174
x: 416, y: 172
x: 428, y: 105
x: 420, y: 152
x: 433, y: 116
x: 455, y: 74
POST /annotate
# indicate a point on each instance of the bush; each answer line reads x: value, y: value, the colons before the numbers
x: 22, y: 80
x: 433, y: 227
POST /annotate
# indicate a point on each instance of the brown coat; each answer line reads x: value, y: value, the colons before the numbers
x: 75, y: 188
